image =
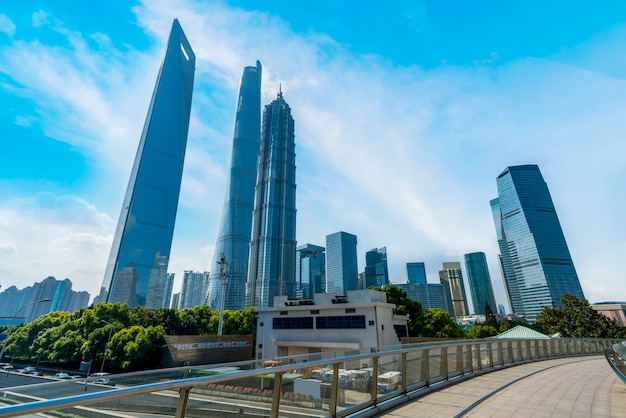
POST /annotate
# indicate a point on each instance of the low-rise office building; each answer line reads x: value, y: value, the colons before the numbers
x: 328, y: 323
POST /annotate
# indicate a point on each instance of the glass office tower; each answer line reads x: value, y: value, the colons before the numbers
x: 310, y: 270
x: 376, y: 271
x: 416, y: 272
x: 342, y: 271
x: 536, y: 262
x: 451, y: 278
x: 233, y: 240
x: 136, y: 272
x: 480, y: 283
x: 272, y: 267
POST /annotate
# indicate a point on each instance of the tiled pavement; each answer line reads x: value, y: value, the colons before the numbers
x: 569, y: 387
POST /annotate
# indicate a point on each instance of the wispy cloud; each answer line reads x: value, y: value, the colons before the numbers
x: 400, y: 156
x: 6, y: 25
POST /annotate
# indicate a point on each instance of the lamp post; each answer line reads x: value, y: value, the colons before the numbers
x: 6, y: 340
x: 106, y: 346
x: 224, y: 279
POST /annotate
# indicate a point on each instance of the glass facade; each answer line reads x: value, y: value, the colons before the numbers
x: 272, y: 267
x: 376, y: 271
x: 194, y: 289
x: 452, y: 279
x: 480, y: 283
x: 137, y: 265
x: 233, y: 240
x: 416, y: 272
x: 536, y: 262
x: 430, y: 295
x: 310, y: 270
x: 341, y: 263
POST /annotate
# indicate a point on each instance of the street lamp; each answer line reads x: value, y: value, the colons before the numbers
x: 224, y: 279
x: 106, y: 346
x: 6, y: 340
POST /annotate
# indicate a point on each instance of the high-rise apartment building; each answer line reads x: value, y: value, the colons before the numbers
x: 452, y: 278
x: 536, y: 262
x: 376, y: 271
x: 137, y: 268
x: 310, y: 270
x: 480, y: 283
x: 194, y: 289
x: 272, y: 267
x: 233, y: 240
x: 342, y: 271
x: 416, y: 272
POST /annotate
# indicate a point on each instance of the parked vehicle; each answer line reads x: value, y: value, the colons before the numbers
x: 63, y: 376
x: 104, y: 381
x: 389, y: 381
x: 318, y: 374
x: 361, y: 380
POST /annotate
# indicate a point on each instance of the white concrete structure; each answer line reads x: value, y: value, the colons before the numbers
x: 328, y: 323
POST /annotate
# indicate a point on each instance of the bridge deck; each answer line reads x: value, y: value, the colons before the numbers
x: 568, y: 387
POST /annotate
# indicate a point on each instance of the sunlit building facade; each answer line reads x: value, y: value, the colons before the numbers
x: 136, y: 271
x: 536, y: 262
x: 376, y: 270
x: 451, y: 278
x: 310, y: 270
x: 272, y: 267
x: 233, y: 240
x: 342, y: 270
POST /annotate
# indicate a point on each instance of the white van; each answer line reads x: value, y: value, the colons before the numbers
x: 389, y: 381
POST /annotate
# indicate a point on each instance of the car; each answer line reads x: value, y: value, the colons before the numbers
x: 104, y: 381
x: 7, y: 368
x: 99, y: 374
x: 63, y: 376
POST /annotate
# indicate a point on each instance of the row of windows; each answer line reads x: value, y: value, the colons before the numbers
x: 321, y: 322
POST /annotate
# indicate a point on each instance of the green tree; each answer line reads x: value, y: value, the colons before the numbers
x: 136, y: 347
x: 576, y: 319
x: 439, y: 324
x: 490, y: 318
x: 481, y: 331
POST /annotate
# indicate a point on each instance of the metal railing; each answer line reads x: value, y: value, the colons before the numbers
x: 361, y: 382
x: 616, y: 356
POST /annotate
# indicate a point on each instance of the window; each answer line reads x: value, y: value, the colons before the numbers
x: 350, y: 310
x: 315, y: 311
x: 371, y: 323
x: 341, y: 322
x: 305, y: 322
x: 284, y: 313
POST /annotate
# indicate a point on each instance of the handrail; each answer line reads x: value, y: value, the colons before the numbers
x: 616, y: 355
x: 469, y: 358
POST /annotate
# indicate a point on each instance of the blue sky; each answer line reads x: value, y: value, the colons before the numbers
x: 405, y: 114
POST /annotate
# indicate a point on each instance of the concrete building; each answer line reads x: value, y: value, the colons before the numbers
x: 328, y: 323
x: 612, y: 310
x: 452, y: 278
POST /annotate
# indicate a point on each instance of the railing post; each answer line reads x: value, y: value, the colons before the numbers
x: 500, y: 353
x: 529, y: 350
x: 404, y: 369
x: 183, y: 397
x: 278, y: 385
x: 459, y: 359
x: 510, y: 350
x: 444, y: 362
x: 334, y: 391
x: 470, y: 358
x: 490, y: 348
x: 426, y: 367
x: 374, y: 384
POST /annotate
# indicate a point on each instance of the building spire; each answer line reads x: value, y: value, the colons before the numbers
x: 280, y: 90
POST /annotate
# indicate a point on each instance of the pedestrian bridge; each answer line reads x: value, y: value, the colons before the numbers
x: 338, y: 385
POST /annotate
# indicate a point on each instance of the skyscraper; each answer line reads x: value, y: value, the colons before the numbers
x: 452, y: 278
x: 310, y: 270
x: 376, y: 271
x: 537, y: 265
x: 342, y: 271
x: 137, y: 265
x: 233, y: 240
x: 272, y: 267
x: 416, y: 272
x: 480, y: 283
x: 193, y: 289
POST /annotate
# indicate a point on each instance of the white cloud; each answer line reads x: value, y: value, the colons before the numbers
x: 40, y: 18
x: 402, y: 157
x: 6, y: 25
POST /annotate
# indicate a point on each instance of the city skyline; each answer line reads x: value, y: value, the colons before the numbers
x: 467, y: 95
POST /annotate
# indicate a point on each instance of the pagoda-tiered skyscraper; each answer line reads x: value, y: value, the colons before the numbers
x: 233, y: 240
x: 272, y: 267
x: 136, y: 272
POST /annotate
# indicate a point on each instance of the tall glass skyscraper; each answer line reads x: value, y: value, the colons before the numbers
x: 376, y: 271
x: 451, y: 278
x: 342, y: 271
x: 272, y: 267
x: 480, y: 283
x: 416, y: 272
x: 137, y: 268
x: 310, y: 270
x: 537, y: 265
x: 233, y: 240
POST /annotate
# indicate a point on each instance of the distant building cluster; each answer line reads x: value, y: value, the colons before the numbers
x: 257, y: 259
x: 50, y: 295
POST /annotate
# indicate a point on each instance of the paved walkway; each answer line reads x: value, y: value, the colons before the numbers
x: 572, y: 387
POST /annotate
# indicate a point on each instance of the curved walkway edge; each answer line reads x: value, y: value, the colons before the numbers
x: 565, y: 387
